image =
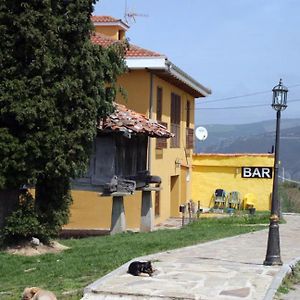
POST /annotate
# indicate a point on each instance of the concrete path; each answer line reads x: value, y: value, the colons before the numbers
x: 228, y: 269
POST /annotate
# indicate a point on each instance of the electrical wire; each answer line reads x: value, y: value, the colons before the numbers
x: 289, y: 180
x: 239, y: 107
x: 244, y: 95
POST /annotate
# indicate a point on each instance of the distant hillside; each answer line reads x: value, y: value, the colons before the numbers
x: 256, y: 138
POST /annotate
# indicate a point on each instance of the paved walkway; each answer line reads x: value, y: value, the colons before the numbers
x: 228, y: 269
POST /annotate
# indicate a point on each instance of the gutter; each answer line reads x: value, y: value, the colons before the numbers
x: 187, y: 79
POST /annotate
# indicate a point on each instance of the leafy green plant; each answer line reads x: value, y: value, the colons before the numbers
x: 24, y: 223
x: 52, y: 94
x: 289, y: 281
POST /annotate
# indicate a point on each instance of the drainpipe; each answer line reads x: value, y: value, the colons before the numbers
x: 150, y: 117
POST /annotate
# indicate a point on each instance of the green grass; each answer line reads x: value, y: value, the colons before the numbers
x: 90, y: 258
x: 289, y: 281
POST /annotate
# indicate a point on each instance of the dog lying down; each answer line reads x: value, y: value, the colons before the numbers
x: 35, y: 293
x: 140, y: 268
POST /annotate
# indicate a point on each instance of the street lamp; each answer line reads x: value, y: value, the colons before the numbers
x: 273, y: 250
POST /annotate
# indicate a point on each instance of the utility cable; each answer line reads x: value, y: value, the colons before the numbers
x: 289, y: 180
x: 244, y: 95
x: 240, y: 107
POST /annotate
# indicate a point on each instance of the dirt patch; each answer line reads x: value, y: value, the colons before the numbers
x: 28, y: 249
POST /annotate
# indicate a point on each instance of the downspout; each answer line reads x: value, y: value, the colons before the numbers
x: 150, y: 117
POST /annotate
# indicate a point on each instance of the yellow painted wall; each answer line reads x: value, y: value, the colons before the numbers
x: 111, y: 31
x: 213, y: 171
x: 170, y: 161
x: 90, y: 211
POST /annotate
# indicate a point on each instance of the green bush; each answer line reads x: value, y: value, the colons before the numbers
x: 23, y: 223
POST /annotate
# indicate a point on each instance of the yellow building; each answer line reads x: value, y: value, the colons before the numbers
x: 162, y: 91
x: 245, y: 173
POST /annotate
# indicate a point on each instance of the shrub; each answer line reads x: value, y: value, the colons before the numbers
x: 23, y: 223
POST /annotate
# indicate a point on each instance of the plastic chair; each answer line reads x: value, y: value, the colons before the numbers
x: 234, y: 200
x: 220, y: 198
x: 250, y: 201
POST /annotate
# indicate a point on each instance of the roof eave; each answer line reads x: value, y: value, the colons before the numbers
x: 187, y: 79
x: 119, y: 23
x: 166, y: 69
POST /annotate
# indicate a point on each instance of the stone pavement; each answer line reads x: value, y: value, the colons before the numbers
x: 229, y: 268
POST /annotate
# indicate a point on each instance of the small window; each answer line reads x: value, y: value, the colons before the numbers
x: 175, y: 120
x: 159, y: 104
x: 188, y: 113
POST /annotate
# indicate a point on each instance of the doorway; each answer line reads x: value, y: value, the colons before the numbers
x: 174, y: 193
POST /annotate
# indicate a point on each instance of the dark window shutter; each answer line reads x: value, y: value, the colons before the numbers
x: 175, y: 120
x: 161, y: 142
x: 189, y: 138
x: 159, y: 104
x: 188, y: 113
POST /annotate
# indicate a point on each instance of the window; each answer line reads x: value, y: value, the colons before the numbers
x: 159, y: 104
x: 175, y: 120
x: 188, y: 113
x: 160, y: 142
x: 189, y: 138
x: 189, y: 131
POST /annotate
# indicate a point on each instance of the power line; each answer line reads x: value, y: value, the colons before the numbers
x: 286, y: 179
x: 240, y: 107
x: 243, y: 96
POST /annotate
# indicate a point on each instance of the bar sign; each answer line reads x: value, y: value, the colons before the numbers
x: 257, y: 172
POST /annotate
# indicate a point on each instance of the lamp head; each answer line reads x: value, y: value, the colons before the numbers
x: 279, y: 96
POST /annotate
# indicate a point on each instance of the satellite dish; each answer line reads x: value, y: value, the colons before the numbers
x: 201, y: 133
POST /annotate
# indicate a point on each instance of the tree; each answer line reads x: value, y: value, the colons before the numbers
x: 52, y: 91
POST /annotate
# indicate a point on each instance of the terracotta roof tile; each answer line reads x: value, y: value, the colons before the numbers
x: 133, y: 51
x: 104, y: 19
x: 124, y: 119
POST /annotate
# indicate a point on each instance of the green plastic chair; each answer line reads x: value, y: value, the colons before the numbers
x: 234, y: 200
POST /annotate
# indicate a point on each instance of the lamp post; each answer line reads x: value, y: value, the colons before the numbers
x: 279, y: 103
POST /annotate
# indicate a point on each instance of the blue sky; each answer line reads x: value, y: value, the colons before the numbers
x: 234, y: 47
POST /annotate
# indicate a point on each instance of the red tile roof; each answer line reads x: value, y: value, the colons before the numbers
x: 133, y: 51
x: 124, y: 119
x: 104, y: 19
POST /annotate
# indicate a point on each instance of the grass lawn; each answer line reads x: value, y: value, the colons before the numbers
x: 289, y: 282
x: 88, y: 259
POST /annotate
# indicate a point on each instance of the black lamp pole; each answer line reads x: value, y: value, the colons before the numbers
x: 273, y: 251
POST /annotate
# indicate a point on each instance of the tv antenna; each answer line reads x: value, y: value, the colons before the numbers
x: 130, y: 16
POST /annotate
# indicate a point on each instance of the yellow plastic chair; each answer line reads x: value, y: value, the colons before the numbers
x: 250, y: 201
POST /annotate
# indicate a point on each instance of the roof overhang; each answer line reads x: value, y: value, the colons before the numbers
x: 166, y: 70
x: 119, y: 23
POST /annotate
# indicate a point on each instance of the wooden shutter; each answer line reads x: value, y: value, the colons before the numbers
x: 161, y: 142
x: 188, y: 113
x: 189, y: 138
x: 159, y: 104
x: 175, y: 120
